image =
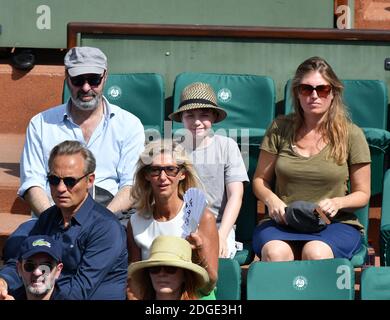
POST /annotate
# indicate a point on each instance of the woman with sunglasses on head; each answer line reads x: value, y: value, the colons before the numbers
x: 169, y: 273
x: 312, y: 155
x: 163, y: 175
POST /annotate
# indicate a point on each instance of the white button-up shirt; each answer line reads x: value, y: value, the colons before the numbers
x: 116, y: 143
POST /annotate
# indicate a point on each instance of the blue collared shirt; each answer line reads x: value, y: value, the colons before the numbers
x: 94, y: 254
x: 116, y: 143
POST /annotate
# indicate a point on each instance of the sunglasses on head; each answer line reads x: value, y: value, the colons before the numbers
x: 93, y: 80
x: 44, y: 267
x: 167, y: 269
x: 171, y: 171
x: 322, y: 90
x: 70, y: 182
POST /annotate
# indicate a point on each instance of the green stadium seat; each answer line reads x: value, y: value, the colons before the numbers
x: 329, y: 279
x: 229, y: 280
x: 375, y: 283
x: 367, y: 101
x: 384, y: 243
x: 361, y: 256
x: 139, y: 93
x: 249, y: 101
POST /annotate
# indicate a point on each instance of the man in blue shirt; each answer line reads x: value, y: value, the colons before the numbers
x: 94, y: 251
x: 115, y: 136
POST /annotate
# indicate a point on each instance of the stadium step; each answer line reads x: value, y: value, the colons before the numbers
x: 10, y: 221
x: 11, y: 146
x: 26, y: 93
x: 23, y: 95
x: 13, y: 210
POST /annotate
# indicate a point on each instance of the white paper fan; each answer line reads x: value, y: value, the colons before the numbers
x: 195, y: 203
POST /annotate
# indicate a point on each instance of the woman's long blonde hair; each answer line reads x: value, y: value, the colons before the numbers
x: 334, y: 128
x: 142, y: 193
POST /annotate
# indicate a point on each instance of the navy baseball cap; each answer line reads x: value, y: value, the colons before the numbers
x: 40, y: 244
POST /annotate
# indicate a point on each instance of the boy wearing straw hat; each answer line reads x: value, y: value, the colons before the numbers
x: 216, y: 158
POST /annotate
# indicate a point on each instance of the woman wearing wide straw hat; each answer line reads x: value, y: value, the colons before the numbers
x: 216, y: 158
x: 163, y: 175
x: 169, y: 273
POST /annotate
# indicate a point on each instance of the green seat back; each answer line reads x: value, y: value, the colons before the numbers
x: 249, y: 101
x: 360, y: 257
x: 247, y: 218
x: 142, y: 94
x: 367, y: 104
x: 384, y: 243
x: 229, y: 280
x: 329, y: 279
x: 375, y: 284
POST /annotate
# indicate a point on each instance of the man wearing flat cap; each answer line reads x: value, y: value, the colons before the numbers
x: 115, y: 136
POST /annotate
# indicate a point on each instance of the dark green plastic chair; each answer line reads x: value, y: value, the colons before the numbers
x: 360, y: 257
x: 329, y: 279
x: 142, y: 94
x: 375, y: 283
x: 367, y: 102
x: 384, y: 243
x: 249, y: 101
x: 229, y: 280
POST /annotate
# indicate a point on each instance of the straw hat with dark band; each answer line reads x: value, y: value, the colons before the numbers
x: 198, y: 95
x: 168, y: 251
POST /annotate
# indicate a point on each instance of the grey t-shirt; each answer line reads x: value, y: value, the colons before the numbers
x: 218, y: 164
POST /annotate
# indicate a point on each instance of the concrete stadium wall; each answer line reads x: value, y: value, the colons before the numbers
x: 37, y: 24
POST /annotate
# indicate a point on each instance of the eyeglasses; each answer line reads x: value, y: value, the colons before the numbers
x: 322, y: 90
x: 70, y: 182
x: 171, y: 171
x: 44, y: 267
x: 167, y: 269
x: 93, y: 80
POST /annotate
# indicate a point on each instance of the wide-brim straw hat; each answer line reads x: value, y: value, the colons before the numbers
x: 168, y: 251
x: 198, y: 95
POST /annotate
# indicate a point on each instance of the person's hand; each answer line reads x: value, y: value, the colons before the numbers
x: 223, y: 247
x: 4, y: 290
x: 330, y: 206
x: 276, y: 210
x: 196, y: 243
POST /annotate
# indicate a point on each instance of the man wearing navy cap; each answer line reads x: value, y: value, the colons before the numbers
x: 115, y: 136
x: 39, y: 266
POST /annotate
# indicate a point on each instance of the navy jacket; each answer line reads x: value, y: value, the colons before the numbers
x: 94, y: 254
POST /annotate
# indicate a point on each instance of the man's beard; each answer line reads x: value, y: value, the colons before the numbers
x: 42, y: 289
x: 86, y: 105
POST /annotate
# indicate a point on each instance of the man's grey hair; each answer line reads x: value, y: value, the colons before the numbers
x: 71, y: 147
